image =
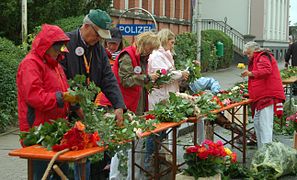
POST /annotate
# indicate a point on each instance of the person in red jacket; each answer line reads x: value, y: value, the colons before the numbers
x: 42, y: 84
x: 265, y: 89
x: 130, y: 69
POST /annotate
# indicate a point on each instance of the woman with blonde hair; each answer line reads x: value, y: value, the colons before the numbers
x: 130, y: 69
x: 159, y: 60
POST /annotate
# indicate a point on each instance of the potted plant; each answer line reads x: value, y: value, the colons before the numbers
x: 293, y: 120
x: 206, y: 161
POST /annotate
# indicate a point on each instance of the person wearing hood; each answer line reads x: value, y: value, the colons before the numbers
x: 42, y: 85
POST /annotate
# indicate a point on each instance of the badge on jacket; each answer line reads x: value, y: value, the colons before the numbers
x: 137, y: 70
x: 79, y: 51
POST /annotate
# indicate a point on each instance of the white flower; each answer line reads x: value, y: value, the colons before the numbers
x: 138, y: 133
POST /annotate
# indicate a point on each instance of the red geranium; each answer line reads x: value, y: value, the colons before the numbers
x: 207, y: 159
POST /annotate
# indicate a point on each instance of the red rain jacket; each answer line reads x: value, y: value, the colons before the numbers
x: 266, y: 81
x: 41, y: 81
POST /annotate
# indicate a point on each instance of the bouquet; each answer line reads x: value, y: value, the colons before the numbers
x: 164, y: 77
x: 208, y: 159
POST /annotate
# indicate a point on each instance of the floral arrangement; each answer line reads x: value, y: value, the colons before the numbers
x: 164, y: 77
x: 293, y: 120
x: 77, y: 139
x: 208, y: 159
x: 236, y: 94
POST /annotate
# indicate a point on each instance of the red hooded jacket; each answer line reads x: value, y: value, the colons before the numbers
x: 41, y: 81
x: 266, y: 82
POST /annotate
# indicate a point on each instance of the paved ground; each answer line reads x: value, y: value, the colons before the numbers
x: 15, y: 168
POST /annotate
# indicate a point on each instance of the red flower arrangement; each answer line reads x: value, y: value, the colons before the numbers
x: 293, y: 119
x: 208, y: 159
x: 77, y: 139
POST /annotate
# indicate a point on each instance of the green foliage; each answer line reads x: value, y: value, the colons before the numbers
x: 42, y: 11
x: 70, y: 23
x: 209, y: 59
x: 10, y: 56
x: 46, y: 134
x: 185, y: 49
x: 186, y: 53
x: 175, y: 109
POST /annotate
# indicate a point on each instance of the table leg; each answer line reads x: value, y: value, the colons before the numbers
x: 83, y: 169
x: 195, y: 133
x: 30, y: 169
x: 133, y: 160
x: 174, y: 140
x: 244, y: 133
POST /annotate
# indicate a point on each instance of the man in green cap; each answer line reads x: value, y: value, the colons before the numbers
x: 88, y: 57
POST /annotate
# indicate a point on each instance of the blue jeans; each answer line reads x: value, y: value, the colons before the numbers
x: 77, y: 170
x: 150, y: 147
x: 39, y: 167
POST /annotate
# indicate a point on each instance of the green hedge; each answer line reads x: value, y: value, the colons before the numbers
x: 209, y: 59
x: 10, y: 56
x: 186, y: 50
x: 70, y: 24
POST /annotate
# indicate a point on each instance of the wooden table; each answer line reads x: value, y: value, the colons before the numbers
x: 171, y: 166
x: 242, y: 124
x: 38, y: 152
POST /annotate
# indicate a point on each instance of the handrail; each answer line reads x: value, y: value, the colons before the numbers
x: 237, y: 37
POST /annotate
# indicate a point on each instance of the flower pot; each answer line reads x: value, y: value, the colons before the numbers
x: 295, y: 140
x: 181, y: 176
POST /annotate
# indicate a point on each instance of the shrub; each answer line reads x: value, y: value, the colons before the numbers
x: 186, y: 50
x: 70, y: 24
x: 10, y: 56
x: 209, y: 59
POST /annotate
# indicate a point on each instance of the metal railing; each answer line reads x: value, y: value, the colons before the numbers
x: 237, y: 37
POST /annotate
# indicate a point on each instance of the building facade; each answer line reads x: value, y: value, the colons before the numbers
x: 172, y: 14
x: 267, y: 20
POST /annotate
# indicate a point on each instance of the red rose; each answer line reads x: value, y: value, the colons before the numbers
x: 163, y: 71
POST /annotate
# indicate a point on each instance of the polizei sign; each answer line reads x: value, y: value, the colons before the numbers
x: 135, y: 29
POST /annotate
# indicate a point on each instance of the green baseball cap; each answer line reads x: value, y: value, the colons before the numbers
x: 102, y: 20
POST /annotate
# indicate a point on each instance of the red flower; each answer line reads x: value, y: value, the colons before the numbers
x: 233, y: 157
x: 203, y: 153
x: 150, y: 116
x: 192, y: 149
x: 163, y: 71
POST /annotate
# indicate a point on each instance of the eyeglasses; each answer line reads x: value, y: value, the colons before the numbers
x: 94, y: 30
